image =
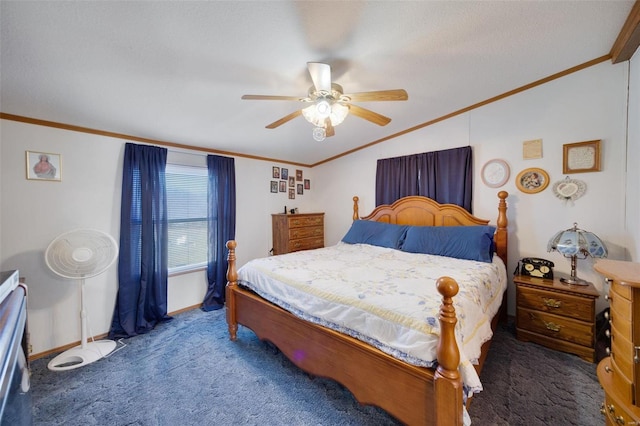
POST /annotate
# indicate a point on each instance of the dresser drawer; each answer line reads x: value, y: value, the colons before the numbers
x: 622, y: 354
x: 557, y: 303
x: 621, y: 308
x: 621, y: 384
x: 621, y: 290
x: 297, y: 222
x: 310, y: 231
x: 306, y: 244
x: 619, y: 324
x: 556, y: 326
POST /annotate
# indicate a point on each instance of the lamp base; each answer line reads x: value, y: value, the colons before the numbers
x: 574, y: 281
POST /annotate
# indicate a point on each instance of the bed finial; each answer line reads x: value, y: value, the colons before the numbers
x: 356, y: 214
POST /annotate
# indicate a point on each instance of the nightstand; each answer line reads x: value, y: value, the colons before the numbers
x: 556, y: 315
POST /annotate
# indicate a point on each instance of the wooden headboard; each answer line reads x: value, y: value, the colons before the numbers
x: 423, y: 211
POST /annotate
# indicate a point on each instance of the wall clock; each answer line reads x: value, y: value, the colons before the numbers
x: 495, y: 173
x: 532, y: 180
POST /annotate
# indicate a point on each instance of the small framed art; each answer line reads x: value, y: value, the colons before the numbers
x: 307, y: 184
x: 299, y: 175
x: 274, y: 186
x: 284, y: 174
x: 292, y: 181
x: 283, y: 186
x: 300, y: 191
x: 581, y: 157
x: 532, y: 181
x: 275, y: 172
x: 44, y: 166
x: 292, y: 194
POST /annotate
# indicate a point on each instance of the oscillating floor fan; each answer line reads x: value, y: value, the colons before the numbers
x: 77, y: 255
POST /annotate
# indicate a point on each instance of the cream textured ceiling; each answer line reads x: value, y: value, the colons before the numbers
x: 175, y: 71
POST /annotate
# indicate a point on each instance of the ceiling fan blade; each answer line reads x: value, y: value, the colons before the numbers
x: 272, y: 98
x: 381, y: 95
x: 369, y: 115
x: 320, y: 75
x: 328, y: 128
x: 284, y: 119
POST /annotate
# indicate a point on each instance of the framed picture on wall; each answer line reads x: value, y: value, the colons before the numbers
x: 299, y: 175
x: 283, y: 186
x: 300, y: 190
x: 292, y: 194
x: 275, y: 173
x: 284, y: 174
x: 44, y: 166
x: 307, y: 184
x: 581, y: 157
x: 292, y: 182
x: 274, y: 186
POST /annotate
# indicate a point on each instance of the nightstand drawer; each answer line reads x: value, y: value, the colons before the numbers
x: 556, y: 326
x: 621, y: 290
x: 310, y: 231
x: 557, y: 303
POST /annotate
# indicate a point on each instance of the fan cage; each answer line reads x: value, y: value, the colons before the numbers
x: 81, y: 253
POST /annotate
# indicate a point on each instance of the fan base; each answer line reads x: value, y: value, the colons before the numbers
x: 79, y: 356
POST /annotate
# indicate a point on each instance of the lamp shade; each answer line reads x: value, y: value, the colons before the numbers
x: 575, y: 241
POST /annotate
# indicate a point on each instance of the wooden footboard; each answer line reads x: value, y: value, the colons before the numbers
x: 414, y: 395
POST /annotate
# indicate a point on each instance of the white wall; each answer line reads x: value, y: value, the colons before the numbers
x: 35, y: 212
x: 587, y: 105
x: 633, y: 171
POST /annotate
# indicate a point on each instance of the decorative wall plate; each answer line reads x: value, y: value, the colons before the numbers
x: 569, y: 189
x: 532, y: 180
x: 495, y: 173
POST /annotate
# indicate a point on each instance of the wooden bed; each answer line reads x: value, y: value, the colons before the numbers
x: 414, y: 395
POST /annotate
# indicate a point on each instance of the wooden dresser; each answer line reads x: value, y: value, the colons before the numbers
x: 294, y: 232
x: 556, y: 315
x: 619, y: 373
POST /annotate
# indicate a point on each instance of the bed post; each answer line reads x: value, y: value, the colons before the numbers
x: 356, y: 214
x: 501, y: 236
x: 447, y: 382
x: 232, y: 281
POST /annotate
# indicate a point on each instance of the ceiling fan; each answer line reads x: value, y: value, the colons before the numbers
x: 329, y: 106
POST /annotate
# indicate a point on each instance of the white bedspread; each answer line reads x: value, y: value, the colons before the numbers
x: 385, y: 297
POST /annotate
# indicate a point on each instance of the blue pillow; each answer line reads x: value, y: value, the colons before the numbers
x: 376, y: 234
x: 461, y: 242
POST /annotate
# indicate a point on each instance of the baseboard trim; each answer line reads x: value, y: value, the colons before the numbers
x: 99, y: 336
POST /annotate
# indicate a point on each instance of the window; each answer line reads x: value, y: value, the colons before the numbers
x: 187, y: 217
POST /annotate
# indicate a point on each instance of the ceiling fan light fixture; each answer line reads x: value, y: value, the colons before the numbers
x: 323, y: 108
x: 319, y: 134
x: 338, y: 113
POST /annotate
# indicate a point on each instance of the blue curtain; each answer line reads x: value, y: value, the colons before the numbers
x: 445, y: 176
x: 221, y: 226
x: 142, y: 265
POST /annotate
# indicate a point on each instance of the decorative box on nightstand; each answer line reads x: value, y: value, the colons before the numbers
x: 556, y: 315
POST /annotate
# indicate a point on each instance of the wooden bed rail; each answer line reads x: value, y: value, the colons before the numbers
x: 446, y: 380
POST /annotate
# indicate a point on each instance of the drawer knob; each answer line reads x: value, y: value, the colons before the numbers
x: 607, y: 332
x: 602, y: 410
x: 607, y: 297
x: 552, y: 326
x: 636, y: 357
x: 620, y: 420
x: 552, y: 303
x: 608, y: 351
x: 607, y: 315
x: 608, y: 370
x: 611, y: 408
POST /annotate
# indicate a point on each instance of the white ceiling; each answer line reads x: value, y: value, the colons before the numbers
x: 174, y: 71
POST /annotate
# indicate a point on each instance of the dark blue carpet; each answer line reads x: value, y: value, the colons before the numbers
x: 187, y: 372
